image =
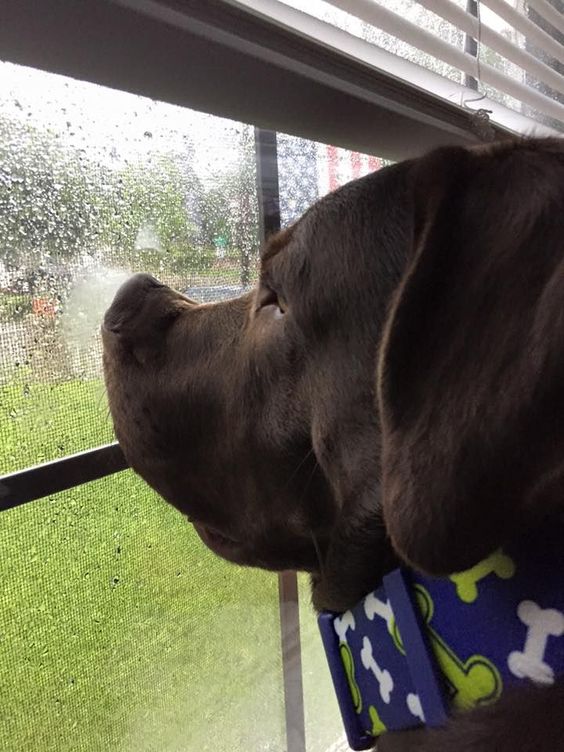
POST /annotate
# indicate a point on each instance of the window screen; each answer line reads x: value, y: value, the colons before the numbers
x: 323, y: 727
x: 308, y: 170
x: 120, y: 631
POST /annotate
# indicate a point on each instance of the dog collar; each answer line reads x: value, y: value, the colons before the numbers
x: 419, y: 648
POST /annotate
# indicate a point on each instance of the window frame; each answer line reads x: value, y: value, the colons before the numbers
x: 222, y: 57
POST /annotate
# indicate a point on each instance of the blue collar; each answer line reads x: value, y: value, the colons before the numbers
x: 419, y: 648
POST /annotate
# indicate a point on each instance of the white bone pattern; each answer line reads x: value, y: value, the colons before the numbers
x: 382, y: 675
x: 342, y: 624
x: 373, y: 606
x: 414, y: 706
x: 541, y: 624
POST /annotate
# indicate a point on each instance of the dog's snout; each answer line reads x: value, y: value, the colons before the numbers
x: 130, y: 300
x: 140, y: 317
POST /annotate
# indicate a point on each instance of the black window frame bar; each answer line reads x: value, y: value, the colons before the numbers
x: 33, y: 483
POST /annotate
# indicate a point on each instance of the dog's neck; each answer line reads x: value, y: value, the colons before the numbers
x: 418, y: 647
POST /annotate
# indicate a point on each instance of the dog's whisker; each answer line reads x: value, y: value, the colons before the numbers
x: 299, y: 466
x: 313, y: 536
x: 318, y: 554
x: 313, y: 471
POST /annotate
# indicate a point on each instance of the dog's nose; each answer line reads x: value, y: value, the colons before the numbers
x: 130, y: 299
x: 141, y: 314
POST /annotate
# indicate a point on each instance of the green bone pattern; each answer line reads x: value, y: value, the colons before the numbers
x: 378, y: 725
x: 348, y: 663
x: 475, y: 681
x: 467, y: 582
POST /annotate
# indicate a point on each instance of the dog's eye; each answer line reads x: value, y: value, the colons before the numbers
x: 269, y: 300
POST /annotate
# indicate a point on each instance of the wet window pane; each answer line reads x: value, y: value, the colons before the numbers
x: 308, y: 170
x: 95, y: 184
x: 120, y: 631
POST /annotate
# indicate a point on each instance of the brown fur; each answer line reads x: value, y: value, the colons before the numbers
x: 445, y: 277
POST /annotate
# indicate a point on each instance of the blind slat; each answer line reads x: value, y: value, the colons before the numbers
x: 497, y: 42
x: 549, y: 13
x: 351, y: 46
x: 526, y: 27
x: 393, y: 24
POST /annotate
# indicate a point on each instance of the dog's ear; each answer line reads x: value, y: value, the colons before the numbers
x: 471, y: 365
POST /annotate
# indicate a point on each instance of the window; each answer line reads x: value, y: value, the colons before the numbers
x: 95, y: 184
x: 119, y: 630
x: 497, y: 56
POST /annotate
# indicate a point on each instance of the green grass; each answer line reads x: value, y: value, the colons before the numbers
x: 118, y: 629
x: 14, y: 305
x: 41, y: 422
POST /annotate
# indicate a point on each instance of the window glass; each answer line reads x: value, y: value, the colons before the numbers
x: 120, y: 630
x: 95, y: 184
x: 308, y: 170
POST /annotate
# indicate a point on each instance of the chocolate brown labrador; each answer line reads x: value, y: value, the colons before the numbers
x: 393, y: 389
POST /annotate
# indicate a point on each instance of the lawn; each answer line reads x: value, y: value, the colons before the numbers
x: 118, y: 629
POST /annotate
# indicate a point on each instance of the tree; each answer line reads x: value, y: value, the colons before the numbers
x: 150, y: 213
x: 56, y: 204
x: 49, y: 197
x: 150, y: 219
x: 230, y: 209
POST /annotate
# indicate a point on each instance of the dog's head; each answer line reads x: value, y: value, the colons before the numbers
x: 259, y: 419
x: 256, y: 416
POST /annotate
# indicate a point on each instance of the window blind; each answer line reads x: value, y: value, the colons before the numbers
x: 308, y: 67
x: 519, y: 61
